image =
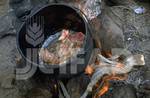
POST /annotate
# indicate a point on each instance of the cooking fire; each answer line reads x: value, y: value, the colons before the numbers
x: 74, y: 49
x: 108, y: 69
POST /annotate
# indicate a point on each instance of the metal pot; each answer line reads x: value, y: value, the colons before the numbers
x: 54, y: 18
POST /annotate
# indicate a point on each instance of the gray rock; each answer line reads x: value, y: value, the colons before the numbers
x: 76, y: 86
x: 22, y: 12
x: 24, y: 86
x: 14, y: 1
x: 9, y: 93
x: 147, y: 96
x: 63, y: 1
x: 7, y: 67
x: 144, y: 89
x: 118, y: 2
x: 147, y: 75
x: 38, y: 93
x: 143, y: 0
x: 110, y: 32
x: 146, y: 51
x: 4, y: 7
x: 124, y: 92
x: 6, y: 58
x: 145, y: 85
x: 39, y: 2
x: 7, y: 82
x: 7, y: 27
x: 23, y: 8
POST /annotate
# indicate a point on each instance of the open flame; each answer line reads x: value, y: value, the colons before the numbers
x: 89, y: 70
x: 103, y: 90
x: 107, y: 78
x: 106, y: 67
x: 106, y: 84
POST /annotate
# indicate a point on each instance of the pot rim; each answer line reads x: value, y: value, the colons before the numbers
x: 79, y: 12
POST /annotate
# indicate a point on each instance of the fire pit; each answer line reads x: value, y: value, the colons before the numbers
x: 101, y: 70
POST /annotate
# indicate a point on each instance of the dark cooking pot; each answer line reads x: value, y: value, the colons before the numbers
x: 55, y: 18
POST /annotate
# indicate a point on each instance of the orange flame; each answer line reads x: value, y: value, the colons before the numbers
x: 104, y: 89
x: 89, y: 70
x: 106, y: 85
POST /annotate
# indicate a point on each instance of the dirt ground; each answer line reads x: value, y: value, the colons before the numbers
x: 119, y: 27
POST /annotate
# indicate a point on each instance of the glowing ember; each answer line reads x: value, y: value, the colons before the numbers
x: 89, y: 70
x: 104, y: 89
x: 106, y: 85
x: 111, y: 68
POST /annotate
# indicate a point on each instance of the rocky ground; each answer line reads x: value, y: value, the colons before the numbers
x: 117, y: 27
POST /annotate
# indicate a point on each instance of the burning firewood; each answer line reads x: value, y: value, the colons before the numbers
x: 101, y: 90
x: 110, y: 67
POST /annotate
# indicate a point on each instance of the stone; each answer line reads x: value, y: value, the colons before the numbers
x: 63, y: 1
x: 14, y: 1
x: 7, y: 27
x: 39, y: 2
x: 38, y: 93
x: 21, y: 8
x: 145, y: 85
x: 22, y: 12
x: 76, y: 86
x: 7, y: 82
x: 8, y: 44
x: 4, y: 7
x: 118, y: 2
x: 24, y: 86
x: 147, y: 75
x: 124, y: 92
x: 6, y: 58
x: 110, y: 33
x: 143, y: 1
x: 9, y: 93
